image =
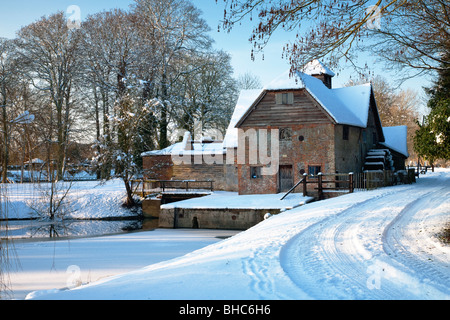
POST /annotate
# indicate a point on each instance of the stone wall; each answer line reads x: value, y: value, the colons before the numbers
x: 233, y: 219
x: 349, y: 152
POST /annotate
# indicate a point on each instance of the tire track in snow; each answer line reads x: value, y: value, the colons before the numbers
x: 416, y: 251
x: 261, y: 262
x: 342, y: 257
x: 313, y: 261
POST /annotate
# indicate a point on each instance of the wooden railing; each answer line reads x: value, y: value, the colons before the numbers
x: 349, y: 182
x: 303, y: 181
x: 335, y: 181
x: 144, y: 187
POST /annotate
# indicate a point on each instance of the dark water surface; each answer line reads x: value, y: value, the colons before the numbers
x: 38, y: 229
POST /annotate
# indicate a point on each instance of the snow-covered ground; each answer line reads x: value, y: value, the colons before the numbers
x: 85, y: 200
x: 232, y: 200
x: 380, y: 244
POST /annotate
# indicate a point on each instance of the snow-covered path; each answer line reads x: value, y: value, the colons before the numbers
x: 363, y: 252
x: 379, y: 244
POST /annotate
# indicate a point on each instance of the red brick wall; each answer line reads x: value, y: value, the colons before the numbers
x: 158, y: 167
x: 161, y: 167
x: 316, y: 148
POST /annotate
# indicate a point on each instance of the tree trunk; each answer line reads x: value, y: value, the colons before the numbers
x: 106, y: 168
x: 5, y: 158
x: 60, y: 148
x: 163, y: 141
x: 129, y: 201
x: 97, y: 125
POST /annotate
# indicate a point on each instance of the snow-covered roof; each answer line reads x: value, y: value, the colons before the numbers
x: 244, y: 102
x: 396, y: 139
x: 189, y: 147
x: 283, y: 82
x: 348, y: 105
x: 345, y: 105
x: 198, y: 148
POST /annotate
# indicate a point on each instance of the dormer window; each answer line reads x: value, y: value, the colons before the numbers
x: 284, y: 98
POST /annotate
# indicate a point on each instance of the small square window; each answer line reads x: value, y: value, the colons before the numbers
x: 284, y: 98
x: 255, y: 172
x: 314, y: 170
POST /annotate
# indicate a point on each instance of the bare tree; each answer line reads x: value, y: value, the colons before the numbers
x: 396, y: 107
x: 249, y: 81
x: 412, y: 35
x: 129, y: 120
x: 112, y: 54
x: 7, y: 80
x: 177, y: 31
x: 208, y: 92
x: 47, y: 50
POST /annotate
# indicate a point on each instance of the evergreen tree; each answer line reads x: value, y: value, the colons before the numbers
x: 432, y: 140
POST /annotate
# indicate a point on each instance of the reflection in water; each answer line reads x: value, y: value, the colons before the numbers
x: 26, y: 229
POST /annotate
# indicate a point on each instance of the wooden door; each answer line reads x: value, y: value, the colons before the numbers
x: 286, y: 179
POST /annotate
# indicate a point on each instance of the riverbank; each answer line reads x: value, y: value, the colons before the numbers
x: 85, y: 200
x: 39, y: 230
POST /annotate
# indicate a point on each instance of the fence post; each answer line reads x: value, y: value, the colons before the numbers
x: 305, y: 192
x: 350, y: 182
x: 319, y: 181
x: 366, y: 174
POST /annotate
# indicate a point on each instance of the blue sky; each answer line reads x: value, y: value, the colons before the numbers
x: 18, y: 13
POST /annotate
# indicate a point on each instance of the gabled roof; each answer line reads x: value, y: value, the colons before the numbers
x: 348, y: 105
